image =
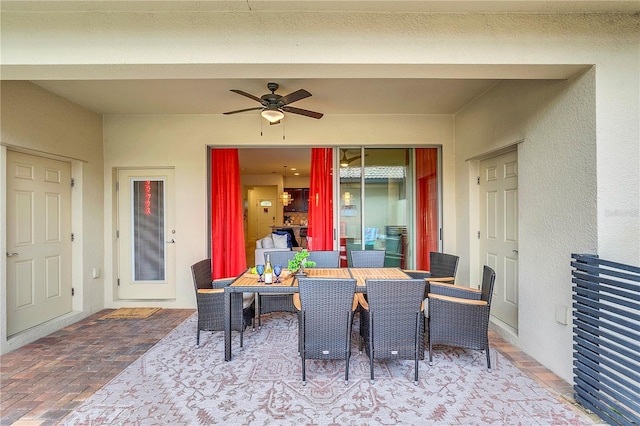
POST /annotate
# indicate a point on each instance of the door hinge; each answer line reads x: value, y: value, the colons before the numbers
x: 73, y: 237
x: 478, y: 180
x: 117, y: 186
x: 73, y: 182
x: 440, y: 234
x: 118, y: 282
x: 118, y: 234
x: 478, y: 234
x: 73, y: 291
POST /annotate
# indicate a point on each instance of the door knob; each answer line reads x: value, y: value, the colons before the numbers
x: 12, y: 254
x: 171, y: 242
x: 515, y: 251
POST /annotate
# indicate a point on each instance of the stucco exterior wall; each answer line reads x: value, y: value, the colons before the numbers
x: 45, y: 124
x: 554, y: 121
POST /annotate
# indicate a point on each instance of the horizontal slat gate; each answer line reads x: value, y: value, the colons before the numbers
x: 606, y: 320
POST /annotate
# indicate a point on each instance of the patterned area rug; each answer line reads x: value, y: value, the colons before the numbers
x: 176, y: 383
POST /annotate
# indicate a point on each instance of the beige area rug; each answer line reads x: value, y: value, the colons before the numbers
x: 175, y: 383
x: 131, y: 313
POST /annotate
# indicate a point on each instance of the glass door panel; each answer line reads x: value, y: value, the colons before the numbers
x: 375, y: 202
x: 350, y: 216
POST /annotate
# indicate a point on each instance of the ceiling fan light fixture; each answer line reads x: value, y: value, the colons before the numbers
x: 272, y: 115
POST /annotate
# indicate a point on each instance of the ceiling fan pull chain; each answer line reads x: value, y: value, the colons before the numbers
x: 283, y: 131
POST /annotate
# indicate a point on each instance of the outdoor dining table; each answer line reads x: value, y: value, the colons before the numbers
x: 248, y: 283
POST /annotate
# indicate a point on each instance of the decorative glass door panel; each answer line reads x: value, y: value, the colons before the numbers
x: 148, y: 230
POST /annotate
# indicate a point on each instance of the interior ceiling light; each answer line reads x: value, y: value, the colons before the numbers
x: 272, y: 115
x: 285, y: 197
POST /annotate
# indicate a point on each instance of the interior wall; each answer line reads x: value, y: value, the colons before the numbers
x: 557, y: 197
x: 181, y: 140
x: 41, y: 123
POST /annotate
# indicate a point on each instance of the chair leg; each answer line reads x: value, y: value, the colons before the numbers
x: 304, y: 371
x: 416, y: 349
x: 198, y: 338
x: 430, y: 353
x: 488, y: 359
x: 346, y: 370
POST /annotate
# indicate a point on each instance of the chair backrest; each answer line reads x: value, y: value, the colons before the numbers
x: 488, y: 281
x: 279, y: 257
x: 326, y: 312
x: 442, y: 264
x: 367, y: 258
x: 395, y: 315
x: 201, y: 272
x: 325, y: 258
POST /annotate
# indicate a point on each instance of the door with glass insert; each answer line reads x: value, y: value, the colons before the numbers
x: 146, y: 234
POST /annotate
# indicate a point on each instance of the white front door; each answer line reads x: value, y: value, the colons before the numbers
x: 499, y: 232
x: 146, y: 234
x: 38, y: 240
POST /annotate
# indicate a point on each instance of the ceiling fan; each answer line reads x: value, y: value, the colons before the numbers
x: 344, y: 161
x: 274, y: 106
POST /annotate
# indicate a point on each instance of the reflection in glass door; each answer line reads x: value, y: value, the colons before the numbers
x: 375, y: 202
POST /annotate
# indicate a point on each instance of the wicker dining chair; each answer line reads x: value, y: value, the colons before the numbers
x: 210, y: 302
x: 460, y: 317
x: 442, y: 268
x: 325, y: 319
x: 276, y: 302
x: 392, y: 321
x: 367, y: 258
x: 325, y: 258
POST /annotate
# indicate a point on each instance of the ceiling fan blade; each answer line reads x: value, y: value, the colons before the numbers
x: 352, y: 159
x: 295, y: 96
x: 248, y: 95
x: 301, y: 111
x: 242, y: 110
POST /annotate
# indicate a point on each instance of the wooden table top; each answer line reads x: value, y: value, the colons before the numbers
x: 287, y: 280
x: 361, y: 274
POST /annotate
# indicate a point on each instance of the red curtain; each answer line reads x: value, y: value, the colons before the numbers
x: 227, y: 229
x: 427, y: 205
x: 321, y: 200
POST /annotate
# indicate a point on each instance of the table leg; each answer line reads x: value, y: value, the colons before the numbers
x: 227, y: 325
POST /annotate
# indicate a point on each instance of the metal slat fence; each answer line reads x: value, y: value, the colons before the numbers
x: 606, y: 320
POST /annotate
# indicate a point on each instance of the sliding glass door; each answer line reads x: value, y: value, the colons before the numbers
x: 383, y: 206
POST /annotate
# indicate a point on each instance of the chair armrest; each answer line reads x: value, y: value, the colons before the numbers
x: 362, y: 301
x: 454, y: 291
x: 457, y: 300
x: 210, y: 290
x: 296, y: 301
x: 437, y: 280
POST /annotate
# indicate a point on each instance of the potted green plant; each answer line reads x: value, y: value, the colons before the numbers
x: 299, y: 262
